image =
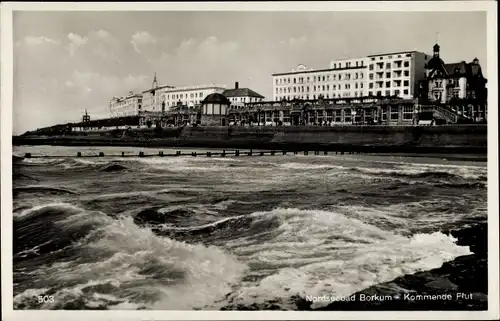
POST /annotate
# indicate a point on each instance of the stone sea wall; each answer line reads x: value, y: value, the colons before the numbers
x: 431, y: 139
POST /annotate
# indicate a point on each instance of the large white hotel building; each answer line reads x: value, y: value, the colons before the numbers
x: 390, y: 74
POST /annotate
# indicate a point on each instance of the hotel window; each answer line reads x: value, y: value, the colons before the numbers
x: 379, y: 93
x: 387, y: 84
x: 388, y: 65
x: 387, y: 92
x: 355, y: 94
x: 276, y: 81
x: 405, y: 91
x: 348, y: 76
x: 380, y: 58
x: 407, y: 73
x: 370, y: 85
x: 370, y: 93
x: 334, y: 77
x: 308, y: 88
x: 323, y: 88
x: 327, y: 87
x: 334, y: 65
x: 294, y: 80
x: 334, y: 87
x: 338, y: 116
x: 373, y: 59
x: 294, y: 89
x: 357, y: 63
x: 406, y: 83
x: 340, y: 65
x: 302, y: 88
x: 308, y: 79
x: 397, y: 92
x: 288, y: 89
x: 347, y: 115
x: 334, y: 95
x: 288, y: 80
x: 361, y: 85
x: 371, y: 67
x: 356, y: 85
x: 323, y: 78
x: 329, y: 116
x: 394, y: 113
x: 370, y: 77
x: 314, y: 88
x: 328, y: 78
x: 340, y: 76
x: 407, y: 112
x: 276, y: 90
x: 408, y: 55
x: 387, y: 75
x: 406, y: 64
x: 314, y: 78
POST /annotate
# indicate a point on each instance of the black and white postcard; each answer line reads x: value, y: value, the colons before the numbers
x: 249, y: 160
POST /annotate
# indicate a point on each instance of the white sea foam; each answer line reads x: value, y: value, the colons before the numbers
x: 199, y: 274
x: 329, y: 253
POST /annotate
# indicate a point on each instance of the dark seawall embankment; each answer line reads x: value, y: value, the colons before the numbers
x: 471, y: 139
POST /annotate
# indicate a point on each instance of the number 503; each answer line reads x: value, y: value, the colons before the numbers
x: 45, y: 299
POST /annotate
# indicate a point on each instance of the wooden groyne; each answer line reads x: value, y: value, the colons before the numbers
x: 223, y: 153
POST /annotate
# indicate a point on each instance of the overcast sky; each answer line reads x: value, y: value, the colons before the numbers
x: 65, y: 62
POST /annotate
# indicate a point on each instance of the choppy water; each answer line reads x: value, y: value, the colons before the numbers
x: 211, y: 233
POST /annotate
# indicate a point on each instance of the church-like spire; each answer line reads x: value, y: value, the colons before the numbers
x: 155, y: 82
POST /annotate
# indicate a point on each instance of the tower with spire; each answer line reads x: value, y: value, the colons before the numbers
x: 155, y: 83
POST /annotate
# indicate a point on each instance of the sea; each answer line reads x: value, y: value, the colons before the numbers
x: 211, y: 233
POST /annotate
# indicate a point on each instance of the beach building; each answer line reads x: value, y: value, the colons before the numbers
x: 129, y: 105
x: 214, y: 110
x: 240, y: 96
x: 382, y: 75
x: 460, y: 86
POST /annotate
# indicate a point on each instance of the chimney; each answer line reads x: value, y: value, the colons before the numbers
x: 236, y: 85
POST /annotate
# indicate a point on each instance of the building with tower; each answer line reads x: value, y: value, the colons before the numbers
x: 460, y: 86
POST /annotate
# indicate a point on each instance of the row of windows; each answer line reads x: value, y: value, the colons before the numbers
x: 318, y: 88
x: 390, y: 57
x: 395, y: 92
x: 348, y: 64
x: 345, y: 94
x: 245, y: 99
x: 453, y: 82
x: 300, y: 80
x: 388, y: 65
x: 181, y: 96
x: 396, y: 83
x: 396, y: 74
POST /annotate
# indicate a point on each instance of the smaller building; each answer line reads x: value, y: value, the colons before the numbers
x: 129, y: 105
x: 240, y: 96
x: 214, y: 110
